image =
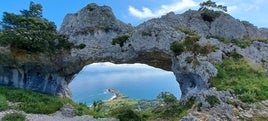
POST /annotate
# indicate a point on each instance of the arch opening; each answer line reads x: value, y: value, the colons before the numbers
x: 136, y: 81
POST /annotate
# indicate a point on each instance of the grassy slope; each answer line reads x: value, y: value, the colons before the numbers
x: 247, y: 80
x: 33, y: 102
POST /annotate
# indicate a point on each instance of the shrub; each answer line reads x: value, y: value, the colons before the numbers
x: 14, y: 117
x: 212, y: 100
x: 176, y: 111
x: 167, y: 97
x: 3, y: 103
x: 210, y: 15
x: 177, y: 47
x: 207, y: 49
x: 120, y: 40
x: 190, y: 44
x: 125, y: 113
x: 90, y: 7
x: 80, y: 46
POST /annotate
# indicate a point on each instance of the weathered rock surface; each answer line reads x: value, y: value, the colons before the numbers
x: 148, y: 43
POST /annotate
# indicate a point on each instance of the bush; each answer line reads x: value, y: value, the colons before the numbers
x: 14, y: 117
x: 175, y: 111
x: 190, y: 44
x: 212, y: 100
x: 3, y: 103
x: 210, y: 15
x: 125, y: 113
x: 167, y: 97
x: 120, y: 40
x: 177, y: 47
x: 207, y: 49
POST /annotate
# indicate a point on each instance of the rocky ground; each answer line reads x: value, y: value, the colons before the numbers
x: 238, y: 112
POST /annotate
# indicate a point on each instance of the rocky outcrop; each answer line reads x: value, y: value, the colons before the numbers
x: 149, y: 43
x: 40, y: 72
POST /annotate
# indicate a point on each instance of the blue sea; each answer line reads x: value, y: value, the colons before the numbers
x: 137, y: 81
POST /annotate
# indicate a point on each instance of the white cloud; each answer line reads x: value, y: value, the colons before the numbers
x: 175, y: 7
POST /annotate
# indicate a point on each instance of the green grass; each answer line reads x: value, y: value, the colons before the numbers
x: 242, y: 42
x: 185, y: 30
x: 245, y: 42
x: 3, y: 103
x: 248, y: 81
x: 32, y: 102
x: 212, y: 100
x: 37, y: 103
x: 14, y: 117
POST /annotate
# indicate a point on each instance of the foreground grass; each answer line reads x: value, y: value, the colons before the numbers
x: 14, y: 117
x: 248, y: 81
x: 37, y: 103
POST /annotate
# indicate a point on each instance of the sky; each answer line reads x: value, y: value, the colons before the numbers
x: 137, y: 11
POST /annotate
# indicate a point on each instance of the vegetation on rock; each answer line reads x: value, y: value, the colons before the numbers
x: 37, y: 103
x: 212, y: 100
x: 190, y: 44
x: 14, y: 117
x: 249, y: 81
x: 242, y: 42
x: 120, y: 40
x: 126, y: 113
x: 31, y: 32
x: 3, y: 103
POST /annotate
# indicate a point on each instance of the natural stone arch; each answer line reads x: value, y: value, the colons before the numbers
x: 148, y: 43
x: 96, y: 26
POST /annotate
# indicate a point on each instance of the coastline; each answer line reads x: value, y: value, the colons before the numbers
x: 116, y: 95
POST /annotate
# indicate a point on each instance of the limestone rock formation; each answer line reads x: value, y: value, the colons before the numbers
x: 148, y: 43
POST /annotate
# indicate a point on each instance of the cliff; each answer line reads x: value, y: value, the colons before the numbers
x: 148, y: 43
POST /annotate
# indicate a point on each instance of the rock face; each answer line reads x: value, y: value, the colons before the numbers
x: 148, y: 43
x: 39, y: 72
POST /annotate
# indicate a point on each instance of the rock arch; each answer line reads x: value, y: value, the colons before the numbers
x: 95, y: 26
x: 148, y: 43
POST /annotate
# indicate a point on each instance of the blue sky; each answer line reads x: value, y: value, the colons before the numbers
x: 138, y: 11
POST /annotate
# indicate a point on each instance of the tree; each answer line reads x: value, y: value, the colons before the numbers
x: 31, y: 32
x: 35, y: 10
x: 167, y: 97
x: 97, y: 105
x: 207, y: 10
x: 211, y: 5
